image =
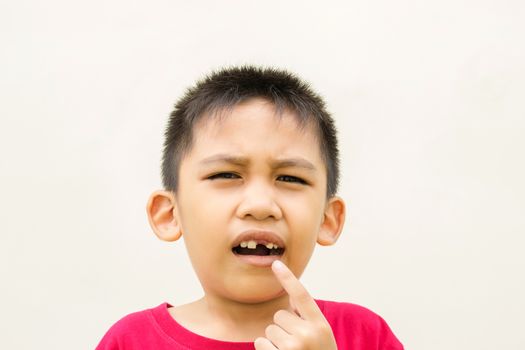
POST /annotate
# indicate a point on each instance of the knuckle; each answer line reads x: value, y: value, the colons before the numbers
x: 314, y: 332
x: 269, y: 330
x: 260, y: 343
x: 323, y: 328
x: 293, y: 344
x: 279, y: 316
x: 306, y: 335
x: 303, y: 296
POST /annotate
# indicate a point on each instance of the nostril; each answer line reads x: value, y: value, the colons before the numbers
x: 259, y: 207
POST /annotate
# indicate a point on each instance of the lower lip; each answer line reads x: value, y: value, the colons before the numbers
x: 258, y: 260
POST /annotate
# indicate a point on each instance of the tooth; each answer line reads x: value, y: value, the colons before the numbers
x: 252, y: 245
x: 269, y: 245
x: 244, y: 244
x: 275, y: 246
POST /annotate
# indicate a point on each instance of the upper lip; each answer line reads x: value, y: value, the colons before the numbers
x: 259, y: 236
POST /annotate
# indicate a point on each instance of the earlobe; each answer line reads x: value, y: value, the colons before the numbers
x: 333, y: 221
x: 162, y: 216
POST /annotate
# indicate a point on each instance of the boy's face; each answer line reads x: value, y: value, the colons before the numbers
x: 252, y: 173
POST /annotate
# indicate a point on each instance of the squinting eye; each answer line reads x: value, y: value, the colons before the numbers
x: 288, y: 178
x: 224, y: 176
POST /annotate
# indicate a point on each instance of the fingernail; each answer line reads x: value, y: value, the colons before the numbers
x: 278, y: 265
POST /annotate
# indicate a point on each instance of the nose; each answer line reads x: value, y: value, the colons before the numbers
x: 258, y: 202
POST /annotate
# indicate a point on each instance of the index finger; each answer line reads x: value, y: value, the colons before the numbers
x: 305, y: 304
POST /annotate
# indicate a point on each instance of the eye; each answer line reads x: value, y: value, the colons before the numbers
x: 224, y: 175
x: 292, y: 179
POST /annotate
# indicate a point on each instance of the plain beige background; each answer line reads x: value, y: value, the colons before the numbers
x: 429, y: 101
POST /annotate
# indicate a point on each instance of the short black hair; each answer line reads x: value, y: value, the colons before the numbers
x: 225, y: 88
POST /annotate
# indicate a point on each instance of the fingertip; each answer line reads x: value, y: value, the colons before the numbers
x: 277, y: 265
x: 258, y: 341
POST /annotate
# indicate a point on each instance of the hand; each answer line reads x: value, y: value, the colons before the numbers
x: 306, y: 329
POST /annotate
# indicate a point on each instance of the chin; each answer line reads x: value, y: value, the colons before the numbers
x: 254, y: 293
x: 256, y: 298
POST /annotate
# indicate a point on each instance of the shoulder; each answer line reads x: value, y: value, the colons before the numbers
x: 358, y: 324
x: 128, y: 329
x: 131, y: 322
x: 336, y: 311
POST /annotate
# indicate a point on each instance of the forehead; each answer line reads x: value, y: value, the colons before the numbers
x: 256, y: 108
x: 255, y: 126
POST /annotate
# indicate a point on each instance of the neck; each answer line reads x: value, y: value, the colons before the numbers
x: 218, y: 317
x: 244, y: 313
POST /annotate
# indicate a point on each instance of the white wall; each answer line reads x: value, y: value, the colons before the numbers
x: 429, y: 101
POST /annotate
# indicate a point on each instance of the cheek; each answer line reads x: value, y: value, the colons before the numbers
x: 304, y: 214
x: 305, y: 228
x: 203, y: 212
x: 204, y: 221
x: 304, y: 222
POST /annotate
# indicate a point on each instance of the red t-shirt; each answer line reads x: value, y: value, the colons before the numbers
x: 354, y: 327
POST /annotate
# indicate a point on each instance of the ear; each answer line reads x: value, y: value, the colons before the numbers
x: 333, y: 221
x: 163, y: 216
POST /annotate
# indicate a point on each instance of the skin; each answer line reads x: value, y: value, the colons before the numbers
x: 233, y: 179
x: 304, y: 328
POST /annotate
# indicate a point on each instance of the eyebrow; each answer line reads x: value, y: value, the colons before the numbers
x: 242, y: 161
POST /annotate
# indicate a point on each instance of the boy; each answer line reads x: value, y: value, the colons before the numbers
x: 250, y: 168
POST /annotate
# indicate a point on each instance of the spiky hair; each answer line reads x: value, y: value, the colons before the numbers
x: 224, y: 89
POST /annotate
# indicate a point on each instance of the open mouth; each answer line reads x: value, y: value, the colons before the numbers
x: 257, y: 248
